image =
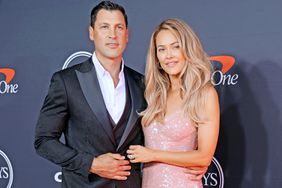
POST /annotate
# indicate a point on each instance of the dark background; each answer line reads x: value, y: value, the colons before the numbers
x: 36, y: 38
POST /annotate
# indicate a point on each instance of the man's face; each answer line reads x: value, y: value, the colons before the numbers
x: 109, y: 35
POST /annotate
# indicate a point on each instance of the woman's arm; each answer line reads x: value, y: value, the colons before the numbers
x: 207, y: 140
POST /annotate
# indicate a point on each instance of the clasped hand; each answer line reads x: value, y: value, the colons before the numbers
x: 111, y: 166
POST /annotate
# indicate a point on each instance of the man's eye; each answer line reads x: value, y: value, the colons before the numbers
x: 104, y: 27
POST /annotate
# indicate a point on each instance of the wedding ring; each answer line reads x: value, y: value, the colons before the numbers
x: 130, y: 157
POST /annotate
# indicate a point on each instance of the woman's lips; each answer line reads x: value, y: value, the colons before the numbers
x: 171, y: 63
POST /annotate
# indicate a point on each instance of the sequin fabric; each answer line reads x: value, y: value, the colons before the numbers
x: 176, y: 133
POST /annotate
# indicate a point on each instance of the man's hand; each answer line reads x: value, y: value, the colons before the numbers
x: 111, y: 166
x: 196, y: 173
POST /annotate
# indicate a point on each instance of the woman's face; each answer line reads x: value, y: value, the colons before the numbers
x: 169, y: 53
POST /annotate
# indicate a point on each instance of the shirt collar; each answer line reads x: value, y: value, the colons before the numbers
x: 100, y: 69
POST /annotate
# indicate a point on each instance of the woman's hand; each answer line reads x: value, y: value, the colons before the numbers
x: 196, y: 173
x: 140, y: 154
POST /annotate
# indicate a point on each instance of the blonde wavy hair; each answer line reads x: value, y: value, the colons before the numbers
x: 195, y: 76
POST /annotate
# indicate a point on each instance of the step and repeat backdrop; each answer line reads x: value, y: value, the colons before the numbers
x: 242, y: 38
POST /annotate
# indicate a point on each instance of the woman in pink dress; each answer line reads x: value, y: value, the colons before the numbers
x: 181, y: 122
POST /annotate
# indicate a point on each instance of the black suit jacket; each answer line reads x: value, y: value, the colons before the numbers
x: 75, y: 106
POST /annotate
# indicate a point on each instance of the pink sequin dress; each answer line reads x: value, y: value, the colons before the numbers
x: 177, y: 133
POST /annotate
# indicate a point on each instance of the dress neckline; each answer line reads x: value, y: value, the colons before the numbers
x: 167, y: 117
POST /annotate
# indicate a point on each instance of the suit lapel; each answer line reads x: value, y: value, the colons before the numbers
x: 136, y: 96
x: 92, y: 92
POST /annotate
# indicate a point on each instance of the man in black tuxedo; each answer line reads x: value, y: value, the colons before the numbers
x: 95, y: 105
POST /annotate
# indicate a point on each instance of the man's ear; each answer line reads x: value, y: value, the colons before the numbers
x: 91, y: 33
x: 127, y: 33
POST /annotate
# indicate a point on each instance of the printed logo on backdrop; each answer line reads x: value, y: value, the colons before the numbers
x: 214, y: 177
x: 6, y: 85
x: 222, y: 76
x: 58, y: 177
x: 76, y: 56
x: 6, y: 171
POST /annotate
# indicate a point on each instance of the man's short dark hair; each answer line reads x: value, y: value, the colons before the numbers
x: 107, y: 5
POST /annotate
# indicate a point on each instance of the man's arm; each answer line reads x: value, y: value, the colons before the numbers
x: 52, y: 121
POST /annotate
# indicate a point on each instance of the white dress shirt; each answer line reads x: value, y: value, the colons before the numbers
x: 114, y: 97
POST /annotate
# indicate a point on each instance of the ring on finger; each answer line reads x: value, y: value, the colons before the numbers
x: 130, y: 157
